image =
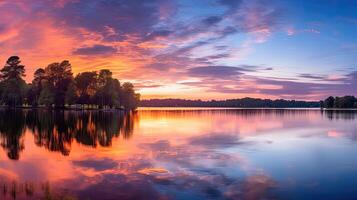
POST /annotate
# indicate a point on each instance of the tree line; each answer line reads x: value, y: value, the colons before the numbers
x: 241, y: 103
x: 55, y: 86
x: 339, y: 102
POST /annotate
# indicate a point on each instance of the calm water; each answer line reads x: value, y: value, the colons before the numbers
x: 178, y: 154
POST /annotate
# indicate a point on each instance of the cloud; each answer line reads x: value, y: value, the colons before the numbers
x: 292, y: 31
x: 124, y: 17
x: 256, y: 16
x: 97, y: 164
x: 97, y: 49
x: 253, y: 187
x: 148, y: 85
x: 159, y: 42
x: 212, y: 20
x: 101, y: 27
x: 231, y: 4
x: 125, y: 187
x: 161, y: 145
x: 319, y: 90
x: 352, y: 77
x: 229, y: 82
x: 219, y: 140
x: 311, y: 30
x: 216, y: 71
x: 211, y: 58
x: 158, y: 34
x: 312, y: 76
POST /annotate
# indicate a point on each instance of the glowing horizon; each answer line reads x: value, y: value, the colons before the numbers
x: 213, y: 49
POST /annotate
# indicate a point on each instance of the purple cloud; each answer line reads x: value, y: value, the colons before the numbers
x: 215, y: 71
x: 220, y: 140
x: 215, y: 79
x: 96, y: 164
x: 95, y: 50
x: 231, y: 4
x: 212, y: 20
x: 124, y: 17
x: 158, y: 33
x: 312, y: 76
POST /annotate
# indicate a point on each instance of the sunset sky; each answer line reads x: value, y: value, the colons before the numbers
x: 204, y: 49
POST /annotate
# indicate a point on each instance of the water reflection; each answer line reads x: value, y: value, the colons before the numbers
x: 12, y: 125
x: 56, y: 130
x: 340, y: 114
x: 178, y: 154
x: 14, y: 190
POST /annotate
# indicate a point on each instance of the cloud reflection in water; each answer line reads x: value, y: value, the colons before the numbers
x: 159, y: 154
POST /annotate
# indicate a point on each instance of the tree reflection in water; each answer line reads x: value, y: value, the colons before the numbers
x: 56, y: 130
x: 15, y: 190
x: 12, y: 126
x: 340, y: 114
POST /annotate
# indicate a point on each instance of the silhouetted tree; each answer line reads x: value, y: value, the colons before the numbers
x: 47, y: 95
x: 108, y: 89
x: 35, y: 88
x: 13, y: 69
x: 71, y: 94
x: 39, y: 75
x: 13, y: 92
x: 55, y: 85
x: 344, y: 102
x: 59, y: 75
x: 31, y: 95
x: 129, y: 99
x: 340, y: 102
x: 86, y: 84
x: 13, y: 87
x: 104, y: 76
x: 329, y: 102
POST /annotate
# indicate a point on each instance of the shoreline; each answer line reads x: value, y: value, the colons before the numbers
x: 154, y: 108
x: 246, y: 108
x: 62, y: 108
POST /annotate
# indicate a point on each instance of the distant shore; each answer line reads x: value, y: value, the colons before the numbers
x: 246, y: 102
x: 240, y: 108
x: 331, y: 103
x: 175, y: 108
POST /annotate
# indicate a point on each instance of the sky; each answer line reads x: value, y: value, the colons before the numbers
x: 206, y: 49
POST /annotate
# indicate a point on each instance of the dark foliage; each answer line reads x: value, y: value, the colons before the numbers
x: 340, y: 102
x: 55, y: 86
x: 241, y: 103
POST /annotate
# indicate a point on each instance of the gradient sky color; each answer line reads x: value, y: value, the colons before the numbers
x: 209, y: 49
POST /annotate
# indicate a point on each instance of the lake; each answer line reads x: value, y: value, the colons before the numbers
x: 178, y: 153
